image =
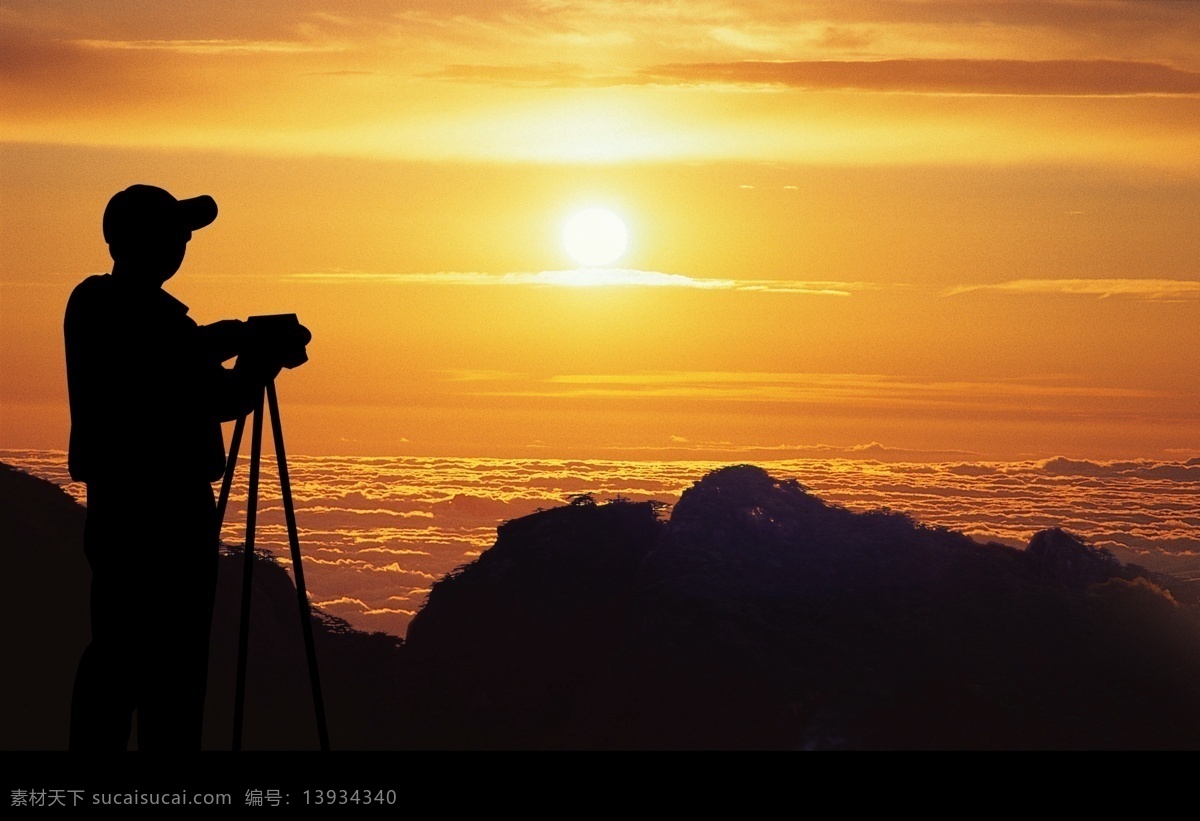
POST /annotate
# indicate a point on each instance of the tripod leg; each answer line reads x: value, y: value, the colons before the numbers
x: 227, y: 480
x: 239, y: 702
x: 285, y: 488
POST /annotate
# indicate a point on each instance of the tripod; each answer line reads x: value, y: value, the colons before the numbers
x: 285, y: 489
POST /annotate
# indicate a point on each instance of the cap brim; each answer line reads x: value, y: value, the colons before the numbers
x: 197, y: 212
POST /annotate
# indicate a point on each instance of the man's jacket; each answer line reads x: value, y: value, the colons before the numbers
x: 147, y: 388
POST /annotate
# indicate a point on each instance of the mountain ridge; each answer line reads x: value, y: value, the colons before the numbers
x: 758, y: 616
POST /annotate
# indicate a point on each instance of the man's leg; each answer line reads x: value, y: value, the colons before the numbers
x: 172, y: 690
x: 102, y: 703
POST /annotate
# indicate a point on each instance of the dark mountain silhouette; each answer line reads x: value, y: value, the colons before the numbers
x: 507, y: 645
x: 761, y: 617
x: 360, y: 672
x: 45, y: 612
x: 758, y: 616
x: 44, y: 609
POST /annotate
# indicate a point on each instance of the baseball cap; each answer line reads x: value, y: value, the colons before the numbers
x: 145, y: 213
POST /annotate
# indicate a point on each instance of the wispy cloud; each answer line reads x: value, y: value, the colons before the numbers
x: 597, y: 277
x: 342, y: 73
x: 539, y: 75
x: 805, y: 388
x: 1140, y: 468
x: 481, y: 376
x: 1163, y: 290
x: 946, y: 76
x: 1089, y: 78
x: 213, y: 46
x: 873, y: 451
x: 343, y: 600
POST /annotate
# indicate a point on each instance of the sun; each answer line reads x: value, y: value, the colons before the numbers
x: 595, y: 237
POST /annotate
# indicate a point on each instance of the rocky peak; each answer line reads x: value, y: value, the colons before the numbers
x: 1060, y: 558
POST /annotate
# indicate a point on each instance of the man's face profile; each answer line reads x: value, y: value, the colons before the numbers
x: 155, y: 259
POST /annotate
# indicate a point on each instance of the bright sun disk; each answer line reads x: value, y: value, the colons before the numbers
x: 595, y: 237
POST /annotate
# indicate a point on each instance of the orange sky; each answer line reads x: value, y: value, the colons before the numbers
x: 940, y: 226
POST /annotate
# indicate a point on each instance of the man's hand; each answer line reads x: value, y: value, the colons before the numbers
x: 256, y: 368
x: 225, y: 339
x: 281, y: 337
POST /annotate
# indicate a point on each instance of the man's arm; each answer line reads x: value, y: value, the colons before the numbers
x: 230, y: 393
x: 223, y: 340
x: 233, y: 391
x: 259, y: 359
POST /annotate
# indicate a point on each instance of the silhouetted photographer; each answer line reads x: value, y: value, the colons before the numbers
x: 148, y: 392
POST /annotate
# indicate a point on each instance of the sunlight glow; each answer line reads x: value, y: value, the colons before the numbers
x: 595, y: 237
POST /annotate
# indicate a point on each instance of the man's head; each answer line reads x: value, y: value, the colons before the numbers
x: 147, y: 230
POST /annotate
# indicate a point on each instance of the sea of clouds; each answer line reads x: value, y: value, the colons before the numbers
x: 377, y: 532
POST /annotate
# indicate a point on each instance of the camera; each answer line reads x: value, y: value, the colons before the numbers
x: 278, y: 339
